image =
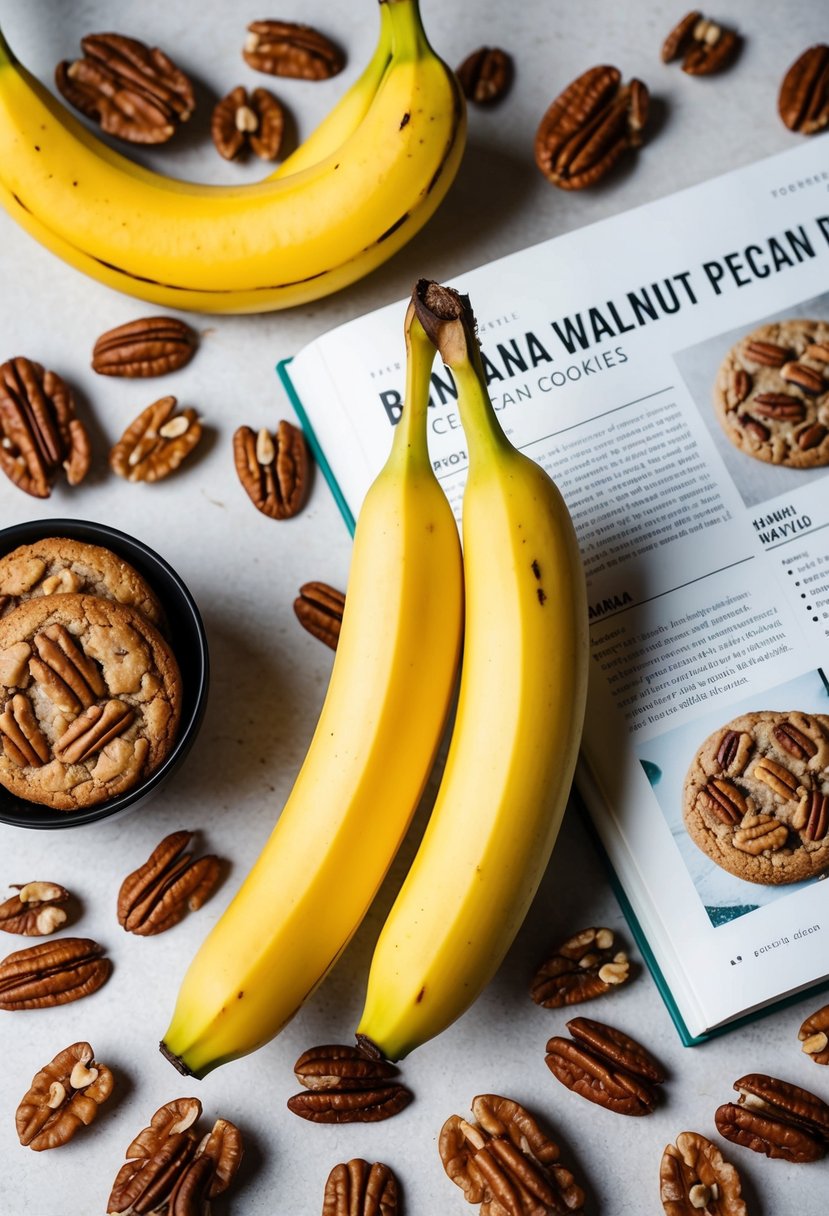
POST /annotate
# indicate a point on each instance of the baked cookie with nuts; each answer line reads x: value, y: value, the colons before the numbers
x: 771, y: 394
x: 90, y: 700
x: 756, y: 796
x: 58, y: 565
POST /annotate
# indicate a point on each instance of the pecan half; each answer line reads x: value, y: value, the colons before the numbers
x: 816, y: 815
x: 355, y: 1188
x: 52, y: 973
x: 765, y: 354
x: 777, y: 777
x: 794, y: 741
x: 151, y: 346
x: 155, y: 444
x: 703, y: 46
x: 581, y: 968
x: 23, y: 740
x: 811, y: 436
x: 274, y: 469
x: 809, y: 380
x: 589, y: 126
x: 242, y: 122
x: 778, y: 406
x: 66, y: 1094
x: 776, y: 1118
x: 170, y: 883
x: 135, y: 92
x: 35, y: 911
x: 92, y: 730
x: 350, y: 1105
x: 760, y: 833
x: 286, y: 48
x: 505, y: 1161
x: 319, y: 609
x: 695, y: 1177
x: 486, y: 75
x: 803, y: 100
x: 338, y: 1066
x: 606, y: 1067
x: 728, y: 803
x: 40, y: 433
x: 64, y: 671
x: 814, y: 1035
x: 171, y: 1169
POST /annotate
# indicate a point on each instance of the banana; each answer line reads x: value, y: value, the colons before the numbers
x: 517, y: 728
x: 345, y: 117
x: 389, y: 693
x: 273, y: 244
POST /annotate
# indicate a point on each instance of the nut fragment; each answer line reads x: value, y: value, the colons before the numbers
x: 155, y: 444
x: 347, y: 1085
x: 40, y: 433
x: 151, y: 346
x: 241, y: 122
x: 695, y: 1177
x: 486, y: 75
x: 171, y: 1169
x: 356, y: 1188
x: 814, y: 1035
x: 703, y: 46
x: 286, y: 48
x: 505, y: 1162
x: 319, y: 609
x: 275, y: 470
x: 589, y: 126
x: 135, y: 92
x: 63, y: 1096
x: 172, y: 881
x: 52, y: 973
x: 35, y: 911
x: 581, y: 968
x: 803, y: 100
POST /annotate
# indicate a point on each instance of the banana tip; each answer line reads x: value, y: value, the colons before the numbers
x: 175, y: 1060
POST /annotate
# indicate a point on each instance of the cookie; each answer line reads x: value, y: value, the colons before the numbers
x: 90, y: 700
x: 756, y: 797
x: 772, y: 394
x: 58, y: 565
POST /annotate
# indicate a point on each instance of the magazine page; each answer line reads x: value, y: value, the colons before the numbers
x: 670, y: 368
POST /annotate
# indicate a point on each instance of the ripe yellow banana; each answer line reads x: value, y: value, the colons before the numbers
x: 517, y: 727
x: 390, y: 690
x: 249, y: 248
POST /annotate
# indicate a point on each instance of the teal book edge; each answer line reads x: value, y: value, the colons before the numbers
x: 313, y: 443
x: 637, y: 932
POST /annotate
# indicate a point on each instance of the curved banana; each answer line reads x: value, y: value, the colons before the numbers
x: 345, y: 117
x: 366, y: 767
x: 517, y: 728
x: 248, y: 248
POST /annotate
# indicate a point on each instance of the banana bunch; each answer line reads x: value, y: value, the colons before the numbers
x: 391, y: 687
x: 359, y: 188
x: 517, y: 728
x: 511, y: 756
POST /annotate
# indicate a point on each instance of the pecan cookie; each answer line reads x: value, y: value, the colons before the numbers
x: 59, y: 565
x: 756, y: 797
x: 90, y: 699
x: 772, y: 393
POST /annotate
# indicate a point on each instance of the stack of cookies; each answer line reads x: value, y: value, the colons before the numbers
x: 90, y: 690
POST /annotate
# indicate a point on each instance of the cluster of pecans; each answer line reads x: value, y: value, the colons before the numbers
x: 136, y: 93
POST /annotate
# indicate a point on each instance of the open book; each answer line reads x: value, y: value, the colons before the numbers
x: 670, y: 368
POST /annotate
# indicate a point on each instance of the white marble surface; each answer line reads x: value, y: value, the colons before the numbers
x: 269, y: 676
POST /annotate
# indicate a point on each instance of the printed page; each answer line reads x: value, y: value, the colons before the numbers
x: 670, y: 369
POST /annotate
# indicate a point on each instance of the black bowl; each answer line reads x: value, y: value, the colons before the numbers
x: 186, y: 635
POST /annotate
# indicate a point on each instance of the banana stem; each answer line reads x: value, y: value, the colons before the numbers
x: 409, y: 444
x: 449, y: 322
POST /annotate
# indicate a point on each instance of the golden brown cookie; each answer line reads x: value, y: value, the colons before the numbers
x: 772, y: 393
x: 58, y: 565
x: 756, y: 796
x: 90, y: 699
